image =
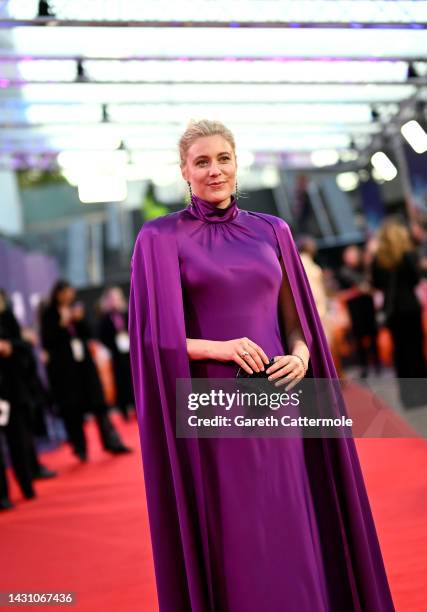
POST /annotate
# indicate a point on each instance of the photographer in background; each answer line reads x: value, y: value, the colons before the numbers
x: 72, y: 373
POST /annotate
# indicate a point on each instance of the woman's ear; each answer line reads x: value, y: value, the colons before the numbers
x: 184, y: 173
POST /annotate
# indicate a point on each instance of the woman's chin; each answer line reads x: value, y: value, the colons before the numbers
x: 218, y: 195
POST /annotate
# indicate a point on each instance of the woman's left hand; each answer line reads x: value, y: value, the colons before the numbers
x: 286, y: 369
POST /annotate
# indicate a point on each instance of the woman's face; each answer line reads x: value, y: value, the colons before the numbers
x: 116, y: 299
x: 210, y: 168
x: 66, y: 296
x: 351, y: 256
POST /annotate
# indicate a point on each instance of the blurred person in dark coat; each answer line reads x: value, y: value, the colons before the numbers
x: 357, y: 291
x: 27, y: 392
x: 396, y: 272
x: 113, y: 333
x: 72, y: 373
x: 5, y: 412
x: 14, y: 392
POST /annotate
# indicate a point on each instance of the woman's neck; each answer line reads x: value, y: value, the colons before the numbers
x: 220, y: 205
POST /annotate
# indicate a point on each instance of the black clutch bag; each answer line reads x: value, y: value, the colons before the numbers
x: 241, y: 373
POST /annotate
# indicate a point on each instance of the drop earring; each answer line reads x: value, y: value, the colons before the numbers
x: 237, y: 191
x: 190, y: 192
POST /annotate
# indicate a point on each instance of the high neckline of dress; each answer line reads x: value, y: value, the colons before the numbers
x: 206, y: 211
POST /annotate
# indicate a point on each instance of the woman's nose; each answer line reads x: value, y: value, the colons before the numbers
x: 214, y: 168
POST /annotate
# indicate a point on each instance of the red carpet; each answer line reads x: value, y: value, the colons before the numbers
x: 87, y: 531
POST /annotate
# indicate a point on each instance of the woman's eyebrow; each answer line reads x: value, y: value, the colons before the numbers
x: 202, y: 156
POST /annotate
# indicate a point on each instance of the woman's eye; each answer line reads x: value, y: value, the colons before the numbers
x: 204, y: 161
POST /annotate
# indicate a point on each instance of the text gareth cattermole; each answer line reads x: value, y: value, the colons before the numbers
x: 227, y: 400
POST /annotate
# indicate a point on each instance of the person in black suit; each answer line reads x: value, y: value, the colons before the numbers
x: 72, y: 373
x: 18, y: 385
x: 16, y: 430
x: 357, y: 291
x: 113, y: 333
x: 396, y: 272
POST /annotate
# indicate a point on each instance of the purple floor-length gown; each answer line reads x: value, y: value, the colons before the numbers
x: 249, y: 524
x: 270, y: 559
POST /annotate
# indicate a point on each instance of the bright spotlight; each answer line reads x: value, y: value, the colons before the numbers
x: 102, y: 188
x: 325, y: 157
x: 384, y: 167
x: 415, y: 135
x: 347, y: 181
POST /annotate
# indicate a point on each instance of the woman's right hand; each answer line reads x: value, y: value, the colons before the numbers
x: 246, y: 353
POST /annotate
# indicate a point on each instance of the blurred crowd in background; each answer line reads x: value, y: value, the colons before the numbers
x: 62, y: 370
x: 74, y: 364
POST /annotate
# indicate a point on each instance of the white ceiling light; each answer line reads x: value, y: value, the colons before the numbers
x: 92, y: 159
x: 83, y: 113
x: 292, y: 10
x: 211, y: 94
x: 415, y: 136
x: 270, y: 177
x: 165, y: 175
x: 270, y: 42
x: 308, y: 113
x: 384, y: 167
x: 102, y: 188
x: 222, y: 70
x: 149, y: 157
x: 349, y: 155
x: 245, y: 159
x: 71, y: 175
x: 79, y: 140
x: 44, y: 70
x: 347, y: 181
x: 324, y: 158
x: 377, y: 176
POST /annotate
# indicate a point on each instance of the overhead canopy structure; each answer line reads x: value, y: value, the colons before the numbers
x: 290, y: 78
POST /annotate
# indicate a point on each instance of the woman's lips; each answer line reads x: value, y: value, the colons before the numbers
x: 216, y: 185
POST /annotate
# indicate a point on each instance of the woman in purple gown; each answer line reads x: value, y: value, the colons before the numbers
x: 241, y: 524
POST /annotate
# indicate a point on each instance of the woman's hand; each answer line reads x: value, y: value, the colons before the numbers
x: 287, y: 369
x: 246, y: 353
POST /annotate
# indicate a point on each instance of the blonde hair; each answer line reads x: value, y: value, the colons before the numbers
x: 199, y: 129
x: 393, y: 242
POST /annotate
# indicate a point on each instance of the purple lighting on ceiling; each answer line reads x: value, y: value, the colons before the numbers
x: 387, y: 26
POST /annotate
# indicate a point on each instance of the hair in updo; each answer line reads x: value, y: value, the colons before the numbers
x: 199, y: 129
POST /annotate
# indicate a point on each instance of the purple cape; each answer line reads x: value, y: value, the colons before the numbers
x: 172, y: 466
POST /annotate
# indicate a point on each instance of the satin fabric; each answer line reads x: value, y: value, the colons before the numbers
x: 240, y: 525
